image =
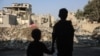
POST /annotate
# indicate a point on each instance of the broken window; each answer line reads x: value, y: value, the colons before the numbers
x: 16, y: 9
x: 23, y: 9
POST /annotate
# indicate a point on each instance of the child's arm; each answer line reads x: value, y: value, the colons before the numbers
x: 47, y: 50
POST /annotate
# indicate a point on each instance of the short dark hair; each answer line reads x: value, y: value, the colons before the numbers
x: 36, y: 34
x: 63, y: 12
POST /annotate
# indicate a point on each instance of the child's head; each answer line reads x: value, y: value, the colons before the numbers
x: 63, y: 13
x: 36, y: 34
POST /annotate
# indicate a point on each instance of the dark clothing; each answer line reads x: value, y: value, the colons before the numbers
x: 63, y: 33
x: 37, y: 49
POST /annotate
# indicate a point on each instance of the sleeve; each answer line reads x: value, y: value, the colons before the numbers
x: 46, y: 50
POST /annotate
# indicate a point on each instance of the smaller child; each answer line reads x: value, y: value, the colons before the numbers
x: 37, y: 48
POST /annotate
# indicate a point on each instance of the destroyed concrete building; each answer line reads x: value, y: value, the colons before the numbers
x: 20, y: 14
x: 24, y: 15
x: 7, y: 19
x: 21, y: 10
x: 43, y: 20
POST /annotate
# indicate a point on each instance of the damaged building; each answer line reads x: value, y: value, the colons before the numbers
x: 21, y: 10
x: 22, y: 14
x: 43, y: 20
x: 7, y: 19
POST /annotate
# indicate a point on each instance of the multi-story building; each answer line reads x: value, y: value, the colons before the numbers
x: 24, y: 16
x: 21, y: 10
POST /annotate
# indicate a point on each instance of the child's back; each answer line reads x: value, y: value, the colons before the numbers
x: 37, y: 48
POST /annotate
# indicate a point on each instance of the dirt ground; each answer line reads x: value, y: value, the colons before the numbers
x: 78, y: 51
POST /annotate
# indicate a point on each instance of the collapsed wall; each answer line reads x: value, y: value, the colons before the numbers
x: 18, y: 37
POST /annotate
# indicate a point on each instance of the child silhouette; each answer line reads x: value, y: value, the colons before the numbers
x: 37, y: 48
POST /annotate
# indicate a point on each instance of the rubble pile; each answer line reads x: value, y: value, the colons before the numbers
x: 18, y: 37
x: 14, y: 37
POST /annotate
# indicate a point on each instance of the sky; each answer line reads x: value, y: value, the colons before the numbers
x: 48, y: 6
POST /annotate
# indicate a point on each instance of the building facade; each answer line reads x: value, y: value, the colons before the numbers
x: 8, y: 21
x: 24, y: 15
x: 45, y: 21
x: 21, y: 10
